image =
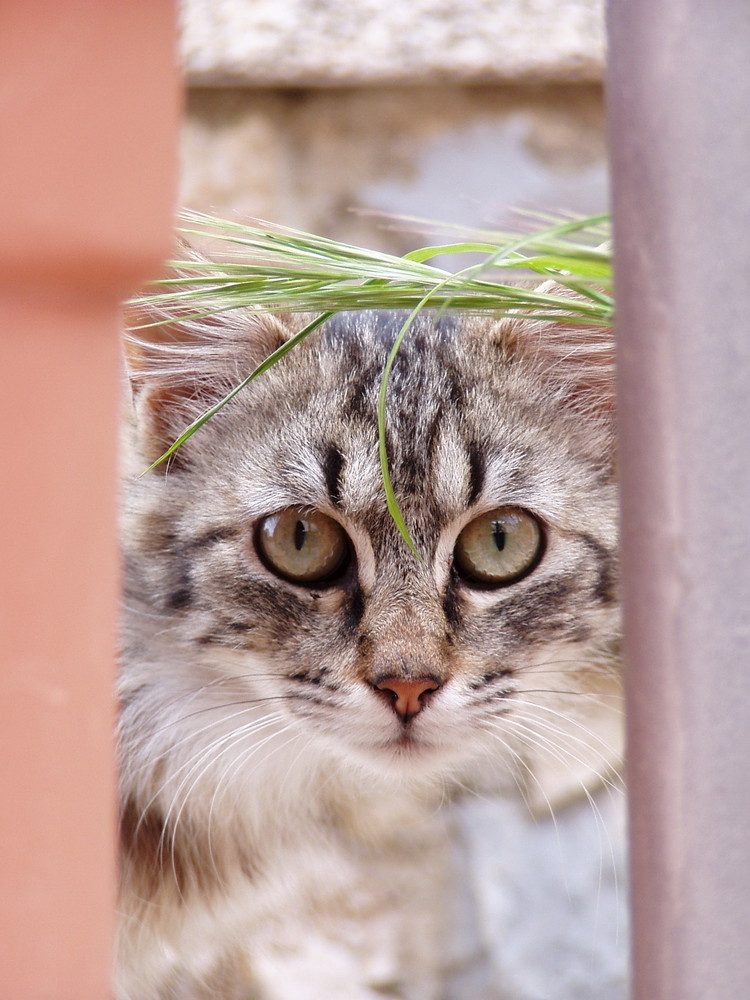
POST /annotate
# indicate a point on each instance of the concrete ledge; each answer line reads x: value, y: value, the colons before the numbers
x: 279, y: 43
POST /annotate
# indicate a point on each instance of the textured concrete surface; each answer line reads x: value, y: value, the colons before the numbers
x: 338, y: 162
x: 549, y: 901
x: 327, y: 42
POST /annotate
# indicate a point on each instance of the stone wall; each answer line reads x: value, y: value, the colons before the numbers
x: 335, y: 42
x: 337, y: 161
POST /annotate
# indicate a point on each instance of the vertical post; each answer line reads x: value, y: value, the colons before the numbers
x: 679, y: 103
x: 89, y: 102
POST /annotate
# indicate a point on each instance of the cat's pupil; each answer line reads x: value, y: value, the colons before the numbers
x: 300, y: 532
x: 498, y: 535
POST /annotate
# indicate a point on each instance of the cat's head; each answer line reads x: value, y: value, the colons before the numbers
x: 265, y: 553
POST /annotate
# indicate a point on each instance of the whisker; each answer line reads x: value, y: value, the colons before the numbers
x: 193, y: 693
x: 221, y: 706
x: 196, y: 759
x: 557, y: 751
x: 586, y: 695
x: 529, y: 738
x: 566, y: 719
x: 231, y: 741
x: 188, y: 737
x: 229, y: 773
x: 563, y: 747
x: 529, y: 771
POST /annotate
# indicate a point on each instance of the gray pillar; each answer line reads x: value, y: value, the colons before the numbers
x: 679, y: 100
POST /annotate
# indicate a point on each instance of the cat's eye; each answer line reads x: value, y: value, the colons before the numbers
x: 499, y: 547
x: 303, y: 546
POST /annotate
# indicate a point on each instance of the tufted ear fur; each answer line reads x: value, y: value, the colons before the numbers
x: 184, y: 365
x: 576, y: 359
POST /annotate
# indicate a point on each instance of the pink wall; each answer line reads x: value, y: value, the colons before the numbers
x: 89, y: 105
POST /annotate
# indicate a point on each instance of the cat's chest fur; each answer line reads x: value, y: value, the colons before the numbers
x: 298, y: 688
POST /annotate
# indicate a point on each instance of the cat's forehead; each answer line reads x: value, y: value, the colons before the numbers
x: 370, y: 330
x: 462, y: 424
x: 347, y: 359
x: 321, y: 408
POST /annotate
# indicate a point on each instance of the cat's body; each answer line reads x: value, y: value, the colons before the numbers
x: 298, y: 689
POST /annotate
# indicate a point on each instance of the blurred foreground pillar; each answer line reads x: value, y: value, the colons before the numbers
x: 679, y: 103
x: 89, y: 103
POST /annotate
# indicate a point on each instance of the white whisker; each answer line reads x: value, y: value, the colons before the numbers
x: 207, y: 758
x: 529, y: 737
x: 196, y: 759
x: 568, y: 720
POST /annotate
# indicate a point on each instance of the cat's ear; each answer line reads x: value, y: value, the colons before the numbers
x: 576, y: 359
x: 179, y: 366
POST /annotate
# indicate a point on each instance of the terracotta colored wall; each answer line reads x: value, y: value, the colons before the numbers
x: 89, y: 104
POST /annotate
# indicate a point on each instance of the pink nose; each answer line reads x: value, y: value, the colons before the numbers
x: 407, y: 695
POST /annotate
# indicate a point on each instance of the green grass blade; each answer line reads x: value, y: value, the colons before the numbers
x: 390, y: 496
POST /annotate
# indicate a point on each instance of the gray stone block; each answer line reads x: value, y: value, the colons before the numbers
x: 550, y: 899
x: 343, y: 42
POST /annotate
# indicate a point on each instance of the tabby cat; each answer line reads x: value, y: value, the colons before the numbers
x: 299, y: 690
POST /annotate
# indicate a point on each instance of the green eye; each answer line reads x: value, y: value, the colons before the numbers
x: 499, y: 547
x: 303, y: 546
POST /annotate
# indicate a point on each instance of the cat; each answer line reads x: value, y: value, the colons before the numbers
x: 299, y: 690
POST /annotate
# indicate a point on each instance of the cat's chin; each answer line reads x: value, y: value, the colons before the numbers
x: 406, y: 747
x: 410, y: 759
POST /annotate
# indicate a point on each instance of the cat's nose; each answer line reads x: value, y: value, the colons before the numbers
x: 409, y: 696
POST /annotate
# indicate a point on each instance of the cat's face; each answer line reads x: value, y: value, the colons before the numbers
x: 268, y: 554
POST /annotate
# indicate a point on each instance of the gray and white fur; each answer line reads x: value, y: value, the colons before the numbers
x: 276, y: 793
